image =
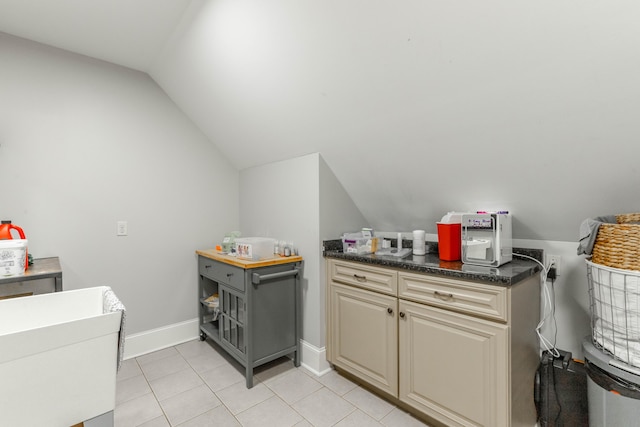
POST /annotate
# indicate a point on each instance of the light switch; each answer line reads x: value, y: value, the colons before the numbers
x: 121, y: 228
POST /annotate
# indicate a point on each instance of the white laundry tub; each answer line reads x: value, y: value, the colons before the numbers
x: 58, y: 358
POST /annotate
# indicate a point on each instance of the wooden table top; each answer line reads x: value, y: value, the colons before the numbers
x: 245, y: 263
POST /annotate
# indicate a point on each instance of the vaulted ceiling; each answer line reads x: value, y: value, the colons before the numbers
x: 131, y: 33
x: 419, y: 107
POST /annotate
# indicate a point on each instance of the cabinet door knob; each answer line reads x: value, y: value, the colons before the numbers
x: 442, y: 296
x: 390, y: 310
x: 401, y: 314
x: 360, y: 278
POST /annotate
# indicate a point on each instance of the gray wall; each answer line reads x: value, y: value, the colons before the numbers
x: 425, y: 106
x: 83, y: 144
x: 280, y: 200
x: 417, y: 107
x: 338, y: 215
x: 301, y: 201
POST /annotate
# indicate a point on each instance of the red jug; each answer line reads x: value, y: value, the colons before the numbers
x: 5, y: 230
x: 5, y: 234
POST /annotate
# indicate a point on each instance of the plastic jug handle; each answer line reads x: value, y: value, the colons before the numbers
x: 20, y: 231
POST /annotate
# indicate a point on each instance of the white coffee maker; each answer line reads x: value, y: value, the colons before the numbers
x: 486, y: 239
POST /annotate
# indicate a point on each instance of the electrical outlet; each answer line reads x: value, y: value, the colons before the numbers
x: 121, y: 229
x: 556, y: 260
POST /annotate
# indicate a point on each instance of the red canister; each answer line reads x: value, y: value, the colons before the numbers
x: 449, y: 241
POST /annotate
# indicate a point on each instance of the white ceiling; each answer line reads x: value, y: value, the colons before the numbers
x: 126, y: 32
x: 419, y: 107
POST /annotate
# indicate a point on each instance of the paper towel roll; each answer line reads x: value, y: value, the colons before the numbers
x: 419, y: 245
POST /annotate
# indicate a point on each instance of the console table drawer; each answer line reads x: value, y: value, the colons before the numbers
x: 223, y: 273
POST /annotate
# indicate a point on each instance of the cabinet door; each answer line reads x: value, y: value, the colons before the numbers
x: 232, y: 321
x: 454, y: 367
x: 364, y: 335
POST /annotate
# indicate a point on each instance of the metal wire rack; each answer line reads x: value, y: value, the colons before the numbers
x: 614, y: 299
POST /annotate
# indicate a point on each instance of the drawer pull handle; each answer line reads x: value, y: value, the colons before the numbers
x: 207, y: 266
x: 390, y: 310
x: 442, y: 296
x: 256, y: 278
x: 401, y: 314
x: 360, y: 278
x: 229, y: 274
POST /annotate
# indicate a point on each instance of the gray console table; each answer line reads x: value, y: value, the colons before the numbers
x: 42, y: 268
x: 258, y: 315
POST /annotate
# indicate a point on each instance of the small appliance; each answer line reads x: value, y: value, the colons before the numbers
x: 486, y: 239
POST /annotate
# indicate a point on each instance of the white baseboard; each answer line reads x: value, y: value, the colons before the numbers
x: 314, y: 358
x: 311, y: 357
x: 157, y: 339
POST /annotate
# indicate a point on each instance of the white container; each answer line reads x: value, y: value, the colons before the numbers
x: 452, y: 218
x: 254, y: 248
x: 358, y: 244
x: 419, y: 244
x: 477, y: 249
x: 58, y: 358
x: 13, y: 257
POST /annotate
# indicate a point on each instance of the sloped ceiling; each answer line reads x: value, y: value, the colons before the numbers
x: 419, y: 107
x: 126, y: 32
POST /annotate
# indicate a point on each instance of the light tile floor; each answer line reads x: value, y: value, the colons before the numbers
x: 196, y: 385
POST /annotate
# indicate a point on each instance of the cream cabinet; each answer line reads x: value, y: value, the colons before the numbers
x: 452, y: 366
x: 459, y: 352
x: 365, y: 335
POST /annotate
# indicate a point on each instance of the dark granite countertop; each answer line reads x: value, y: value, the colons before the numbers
x: 508, y: 274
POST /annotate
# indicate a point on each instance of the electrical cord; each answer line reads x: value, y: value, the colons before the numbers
x: 548, y: 309
x: 558, y: 420
x: 555, y: 321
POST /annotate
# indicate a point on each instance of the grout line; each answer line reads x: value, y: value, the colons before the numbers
x: 164, y: 414
x: 258, y: 379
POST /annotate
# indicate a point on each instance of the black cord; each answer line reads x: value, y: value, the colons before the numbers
x: 555, y: 321
x: 557, y: 422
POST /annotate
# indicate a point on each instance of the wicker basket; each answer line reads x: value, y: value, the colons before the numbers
x: 618, y: 245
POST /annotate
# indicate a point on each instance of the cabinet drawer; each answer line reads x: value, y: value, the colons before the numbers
x: 364, y: 276
x: 220, y: 272
x: 462, y: 296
